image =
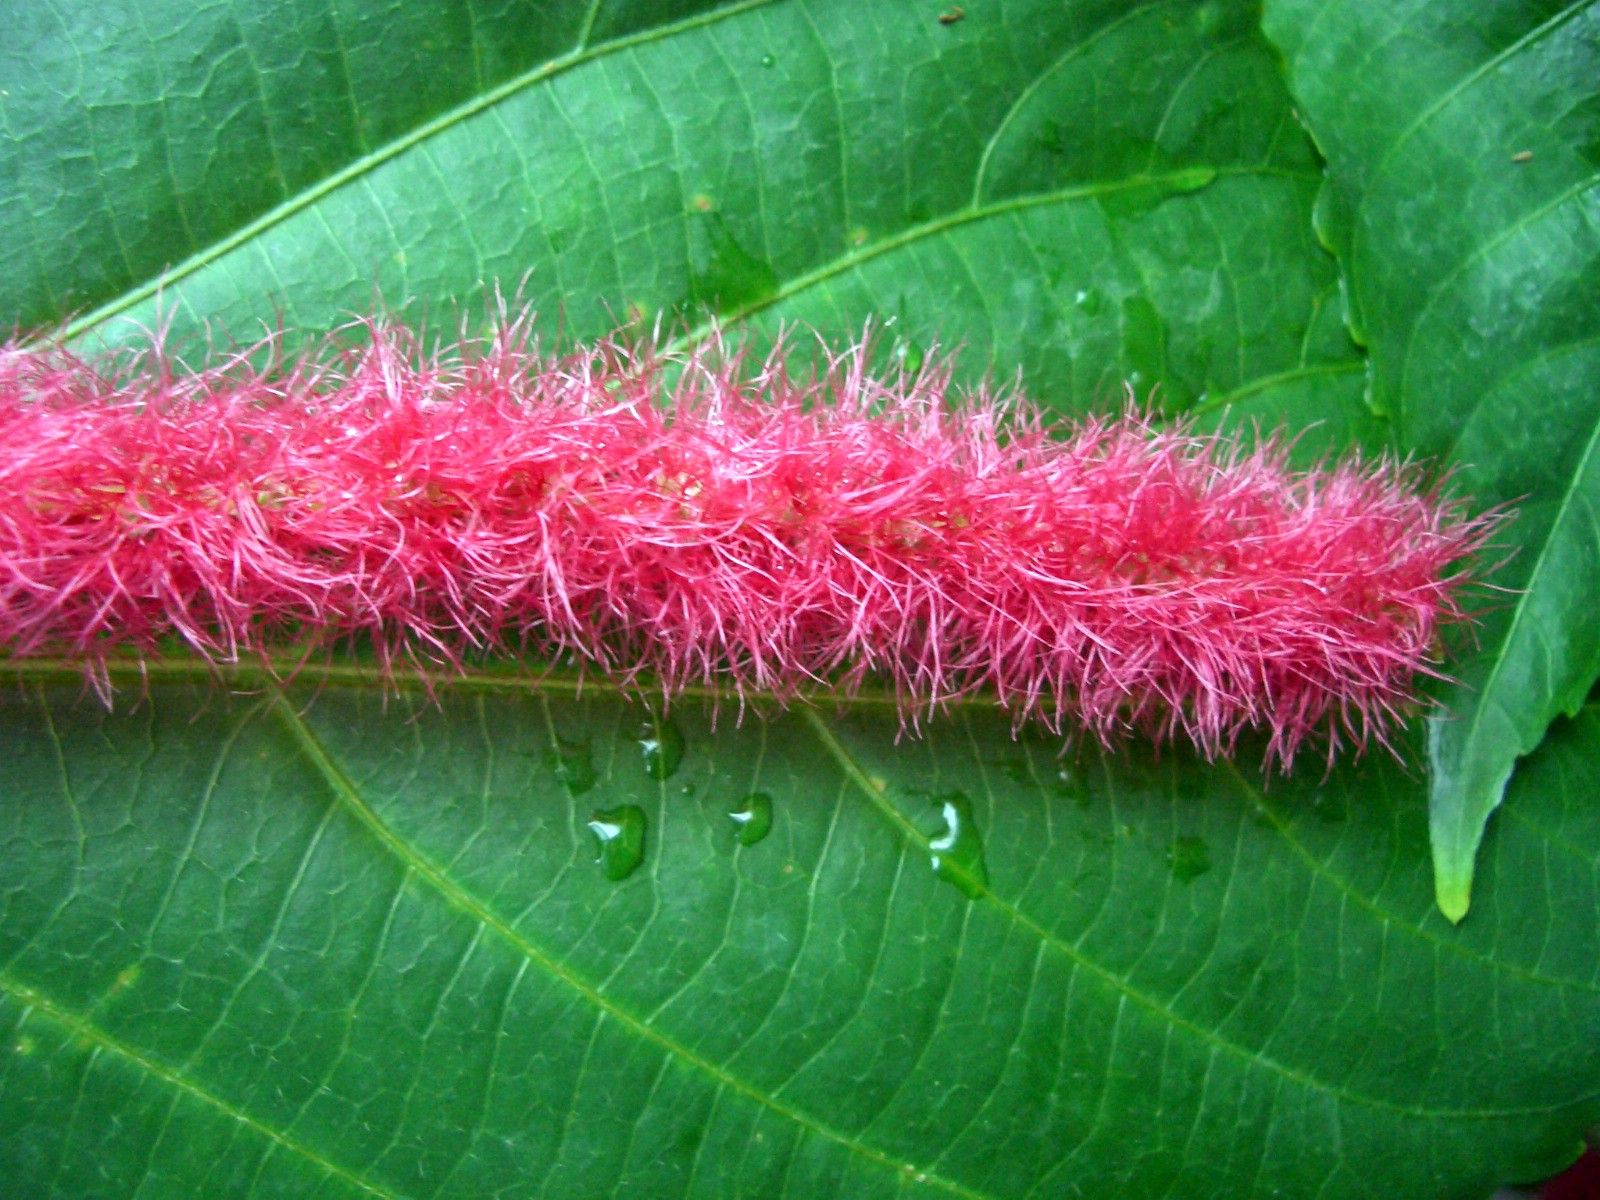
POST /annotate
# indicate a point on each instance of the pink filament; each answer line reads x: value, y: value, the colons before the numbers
x: 713, y: 521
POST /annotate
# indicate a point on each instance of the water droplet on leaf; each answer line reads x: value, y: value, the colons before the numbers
x: 661, y: 745
x: 957, y: 851
x: 1017, y: 770
x: 908, y: 356
x: 619, y: 832
x: 723, y: 275
x: 1144, y: 339
x: 1189, y: 858
x: 572, y: 766
x: 768, y: 60
x: 752, y: 818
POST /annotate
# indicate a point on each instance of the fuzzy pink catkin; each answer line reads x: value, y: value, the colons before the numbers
x: 714, y: 520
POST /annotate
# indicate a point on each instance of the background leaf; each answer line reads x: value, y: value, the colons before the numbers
x: 338, y: 942
x: 972, y: 183
x: 1463, y: 143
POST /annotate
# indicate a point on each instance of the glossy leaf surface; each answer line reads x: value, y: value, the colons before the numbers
x: 331, y: 943
x: 1464, y: 201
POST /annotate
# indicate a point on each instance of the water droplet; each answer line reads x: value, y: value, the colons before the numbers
x: 661, y: 745
x: 1017, y: 770
x: 1089, y: 300
x: 619, y: 832
x: 1162, y: 181
x: 723, y: 275
x: 752, y: 817
x: 1217, y: 20
x: 957, y: 852
x: 572, y: 766
x: 908, y: 356
x: 1189, y: 858
x: 768, y: 60
x: 1144, y: 340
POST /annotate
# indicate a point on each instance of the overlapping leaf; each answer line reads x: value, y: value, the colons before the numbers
x: 1464, y: 143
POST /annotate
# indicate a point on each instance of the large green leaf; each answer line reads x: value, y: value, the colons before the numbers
x: 971, y: 182
x: 141, y: 137
x: 1463, y: 143
x: 335, y: 943
x: 326, y: 945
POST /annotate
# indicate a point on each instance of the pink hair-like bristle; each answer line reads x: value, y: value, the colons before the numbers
x: 714, y: 520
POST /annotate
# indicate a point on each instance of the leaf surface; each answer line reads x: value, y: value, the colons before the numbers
x: 335, y: 942
x: 1463, y: 143
x: 328, y: 944
x: 972, y: 184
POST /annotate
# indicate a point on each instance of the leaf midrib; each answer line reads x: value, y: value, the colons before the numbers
x: 1360, y: 899
x: 1482, y: 698
x: 1460, y: 87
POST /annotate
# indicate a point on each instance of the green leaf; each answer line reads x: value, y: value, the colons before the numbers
x: 967, y: 183
x: 147, y: 140
x: 342, y: 942
x: 1463, y: 142
x: 336, y: 944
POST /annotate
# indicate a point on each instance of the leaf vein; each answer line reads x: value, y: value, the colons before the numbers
x: 374, y: 159
x: 75, y: 1024
x: 1152, y: 1004
x: 348, y: 797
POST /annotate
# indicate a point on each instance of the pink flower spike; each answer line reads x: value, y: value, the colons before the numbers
x: 708, y: 519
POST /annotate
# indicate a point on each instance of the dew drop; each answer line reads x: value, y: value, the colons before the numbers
x: 661, y: 746
x: 1189, y: 858
x: 768, y: 60
x: 1069, y: 785
x: 752, y: 818
x: 1089, y: 300
x: 572, y: 766
x: 957, y: 851
x: 723, y: 274
x: 1017, y: 770
x: 1212, y: 19
x: 908, y: 356
x: 619, y: 833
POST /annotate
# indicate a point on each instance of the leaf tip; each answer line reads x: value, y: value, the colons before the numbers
x: 1452, y: 891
